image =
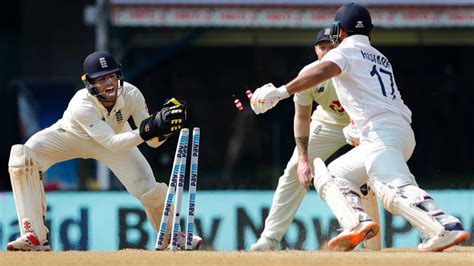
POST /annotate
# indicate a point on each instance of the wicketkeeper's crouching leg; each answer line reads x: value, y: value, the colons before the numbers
x: 30, y: 200
x: 154, y: 202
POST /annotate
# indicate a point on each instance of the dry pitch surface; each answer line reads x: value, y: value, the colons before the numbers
x: 457, y: 256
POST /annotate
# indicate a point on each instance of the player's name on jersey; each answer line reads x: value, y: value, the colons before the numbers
x: 376, y: 59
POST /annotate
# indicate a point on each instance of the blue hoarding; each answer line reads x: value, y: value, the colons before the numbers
x: 227, y: 220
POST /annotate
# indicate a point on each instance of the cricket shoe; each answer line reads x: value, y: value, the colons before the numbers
x: 265, y: 244
x: 181, y: 243
x: 349, y: 238
x: 454, y: 234
x: 28, y: 242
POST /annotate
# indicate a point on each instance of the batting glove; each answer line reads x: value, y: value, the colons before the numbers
x: 266, y: 97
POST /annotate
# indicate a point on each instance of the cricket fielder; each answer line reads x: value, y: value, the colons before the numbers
x: 94, y: 125
x: 365, y: 84
x: 319, y: 135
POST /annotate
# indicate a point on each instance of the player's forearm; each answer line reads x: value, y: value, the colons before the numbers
x: 120, y: 142
x: 138, y: 117
x: 312, y: 77
x: 301, y: 125
x: 301, y: 129
x: 302, y: 145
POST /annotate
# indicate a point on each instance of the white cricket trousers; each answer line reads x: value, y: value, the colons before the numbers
x: 53, y: 144
x: 382, y: 154
x: 324, y: 140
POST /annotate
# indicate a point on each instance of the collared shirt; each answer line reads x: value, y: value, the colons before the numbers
x: 87, y: 118
x: 329, y: 109
x: 366, y: 86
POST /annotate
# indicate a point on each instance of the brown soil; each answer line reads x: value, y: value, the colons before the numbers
x: 457, y: 256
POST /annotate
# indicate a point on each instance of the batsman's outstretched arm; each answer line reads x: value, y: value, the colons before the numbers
x: 313, y: 76
x: 267, y: 96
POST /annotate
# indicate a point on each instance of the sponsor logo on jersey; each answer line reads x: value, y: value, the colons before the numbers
x: 337, y: 107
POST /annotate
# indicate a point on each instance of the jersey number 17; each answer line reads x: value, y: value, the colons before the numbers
x: 374, y: 72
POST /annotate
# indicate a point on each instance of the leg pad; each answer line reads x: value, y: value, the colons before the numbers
x: 28, y: 191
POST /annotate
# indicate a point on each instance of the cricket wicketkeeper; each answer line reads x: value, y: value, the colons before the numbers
x: 94, y: 125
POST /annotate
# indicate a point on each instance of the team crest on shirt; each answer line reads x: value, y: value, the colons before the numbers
x: 119, y: 116
x: 337, y: 107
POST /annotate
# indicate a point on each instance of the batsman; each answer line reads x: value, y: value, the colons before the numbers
x: 95, y: 126
x: 364, y: 82
x: 318, y: 135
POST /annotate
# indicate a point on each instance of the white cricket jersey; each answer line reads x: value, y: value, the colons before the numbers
x: 366, y: 86
x: 329, y: 109
x: 87, y: 118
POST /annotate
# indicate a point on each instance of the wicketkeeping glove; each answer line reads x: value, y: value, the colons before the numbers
x: 170, y: 119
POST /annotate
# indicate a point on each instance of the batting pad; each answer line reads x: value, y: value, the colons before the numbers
x: 331, y: 194
x: 28, y: 191
x: 370, y: 206
x: 406, y: 207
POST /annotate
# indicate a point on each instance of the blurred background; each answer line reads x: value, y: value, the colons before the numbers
x: 207, y: 51
x: 204, y: 52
